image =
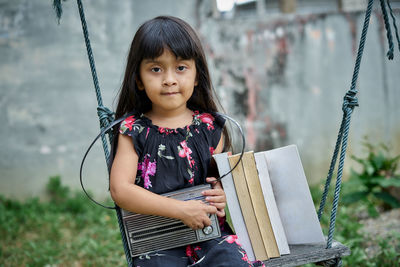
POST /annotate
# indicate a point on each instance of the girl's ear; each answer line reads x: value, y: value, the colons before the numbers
x: 139, y: 84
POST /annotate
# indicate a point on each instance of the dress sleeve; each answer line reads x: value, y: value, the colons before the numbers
x: 216, y: 132
x: 132, y: 126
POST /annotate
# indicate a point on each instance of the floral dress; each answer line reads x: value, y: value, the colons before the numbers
x: 171, y: 159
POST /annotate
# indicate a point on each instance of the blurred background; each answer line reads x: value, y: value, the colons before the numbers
x: 281, y: 68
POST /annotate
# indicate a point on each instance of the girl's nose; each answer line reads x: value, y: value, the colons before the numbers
x: 169, y: 78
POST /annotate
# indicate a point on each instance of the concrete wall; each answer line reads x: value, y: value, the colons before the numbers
x: 283, y: 77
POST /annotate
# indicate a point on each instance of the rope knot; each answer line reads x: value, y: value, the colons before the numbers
x: 106, y: 116
x: 350, y: 100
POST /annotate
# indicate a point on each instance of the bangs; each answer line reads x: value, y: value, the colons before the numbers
x: 161, y: 34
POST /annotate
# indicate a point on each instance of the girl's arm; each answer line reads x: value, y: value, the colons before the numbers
x: 134, y: 198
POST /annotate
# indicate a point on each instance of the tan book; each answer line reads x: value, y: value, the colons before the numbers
x: 233, y: 205
x: 247, y: 209
x: 259, y: 206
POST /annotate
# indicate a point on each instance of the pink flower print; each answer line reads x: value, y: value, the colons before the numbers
x: 147, y: 133
x: 185, y: 151
x: 191, y: 180
x: 232, y: 238
x: 128, y: 122
x: 211, y: 150
x: 245, y: 258
x: 189, y: 251
x: 161, y: 129
x: 166, y: 131
x: 148, y: 168
x: 208, y: 119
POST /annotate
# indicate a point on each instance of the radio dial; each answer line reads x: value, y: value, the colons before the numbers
x: 208, y: 230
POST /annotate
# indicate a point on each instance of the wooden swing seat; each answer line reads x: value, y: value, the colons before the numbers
x: 309, y: 253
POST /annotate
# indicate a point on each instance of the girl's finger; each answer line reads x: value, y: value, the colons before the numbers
x: 216, y: 199
x: 213, y: 192
x: 219, y: 206
x: 213, y: 182
x: 221, y: 213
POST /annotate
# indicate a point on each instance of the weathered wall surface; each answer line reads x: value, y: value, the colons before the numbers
x: 283, y: 77
x: 286, y: 78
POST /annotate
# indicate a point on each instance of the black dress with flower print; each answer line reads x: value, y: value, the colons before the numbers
x: 171, y: 159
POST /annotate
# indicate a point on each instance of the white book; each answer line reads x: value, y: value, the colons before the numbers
x: 293, y: 197
x: 233, y: 204
x: 270, y: 203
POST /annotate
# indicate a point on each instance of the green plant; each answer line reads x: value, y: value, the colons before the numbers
x: 389, y: 250
x: 67, y: 230
x: 57, y: 192
x: 377, y: 182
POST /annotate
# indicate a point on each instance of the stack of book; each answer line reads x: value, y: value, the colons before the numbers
x: 269, y: 201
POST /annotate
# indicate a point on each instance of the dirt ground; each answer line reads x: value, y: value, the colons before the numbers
x: 379, y: 228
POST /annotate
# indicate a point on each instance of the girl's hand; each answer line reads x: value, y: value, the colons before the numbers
x: 216, y: 196
x: 195, y: 214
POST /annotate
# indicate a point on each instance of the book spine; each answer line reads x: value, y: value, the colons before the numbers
x: 233, y: 204
x: 247, y: 209
x: 258, y: 202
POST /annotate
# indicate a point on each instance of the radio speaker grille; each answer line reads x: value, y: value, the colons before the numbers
x: 147, y: 233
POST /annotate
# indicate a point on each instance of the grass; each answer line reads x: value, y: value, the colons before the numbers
x: 69, y: 230
x: 349, y: 231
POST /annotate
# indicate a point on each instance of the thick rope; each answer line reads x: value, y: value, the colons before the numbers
x: 388, y: 30
x: 336, y: 262
x: 394, y: 24
x: 350, y: 101
x: 331, y: 169
x: 105, y: 115
x: 123, y: 237
x: 58, y: 9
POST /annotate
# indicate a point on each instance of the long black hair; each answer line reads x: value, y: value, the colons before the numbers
x: 149, y: 42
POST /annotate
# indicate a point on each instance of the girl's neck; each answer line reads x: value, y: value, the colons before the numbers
x: 172, y: 120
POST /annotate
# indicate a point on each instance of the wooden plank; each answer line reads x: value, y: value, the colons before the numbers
x: 309, y: 253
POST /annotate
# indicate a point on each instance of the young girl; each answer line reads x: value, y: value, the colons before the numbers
x: 167, y: 140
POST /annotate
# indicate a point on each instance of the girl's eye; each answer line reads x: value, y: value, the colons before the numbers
x: 155, y: 69
x: 181, y: 68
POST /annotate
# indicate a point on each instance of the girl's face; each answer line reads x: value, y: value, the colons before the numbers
x: 168, y: 81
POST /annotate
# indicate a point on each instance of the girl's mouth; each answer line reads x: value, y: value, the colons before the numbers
x: 170, y: 93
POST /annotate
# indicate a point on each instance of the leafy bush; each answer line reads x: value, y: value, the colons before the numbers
x: 377, y: 181
x: 389, y: 253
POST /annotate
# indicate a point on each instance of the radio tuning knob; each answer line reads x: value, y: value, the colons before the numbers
x: 208, y: 230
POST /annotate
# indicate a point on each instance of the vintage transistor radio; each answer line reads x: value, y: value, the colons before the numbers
x: 147, y: 233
